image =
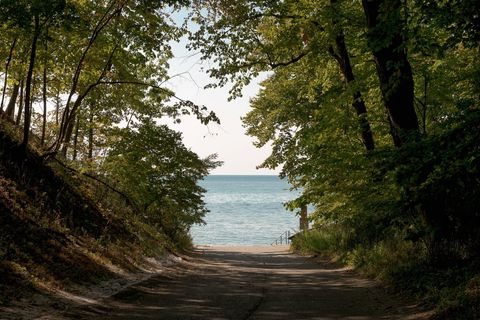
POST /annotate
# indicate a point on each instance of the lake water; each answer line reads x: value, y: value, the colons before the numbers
x: 245, y: 210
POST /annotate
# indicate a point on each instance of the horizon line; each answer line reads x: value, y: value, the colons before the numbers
x: 240, y: 174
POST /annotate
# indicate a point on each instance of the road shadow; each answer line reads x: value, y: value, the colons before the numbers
x: 231, y: 283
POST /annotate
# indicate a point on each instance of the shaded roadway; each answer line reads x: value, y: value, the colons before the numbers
x: 251, y: 283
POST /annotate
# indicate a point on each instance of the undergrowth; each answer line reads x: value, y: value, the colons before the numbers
x: 453, y: 290
x: 60, y: 230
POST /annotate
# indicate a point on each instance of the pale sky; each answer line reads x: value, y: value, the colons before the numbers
x: 228, y: 140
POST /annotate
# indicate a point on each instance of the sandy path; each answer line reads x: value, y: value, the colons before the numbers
x: 251, y: 283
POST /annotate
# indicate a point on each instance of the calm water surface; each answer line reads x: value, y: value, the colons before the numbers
x: 245, y: 210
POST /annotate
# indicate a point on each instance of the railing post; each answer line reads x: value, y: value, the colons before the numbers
x: 284, y: 237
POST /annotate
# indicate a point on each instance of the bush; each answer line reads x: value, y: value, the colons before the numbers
x: 439, y: 179
x: 329, y: 240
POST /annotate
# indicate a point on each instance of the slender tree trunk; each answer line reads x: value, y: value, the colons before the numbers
x: 68, y: 114
x: 75, y: 139
x: 20, y: 105
x: 129, y: 120
x: 69, y: 123
x: 386, y: 42
x: 28, y: 114
x: 68, y: 134
x: 7, y: 65
x: 10, y: 111
x: 44, y: 95
x: 343, y: 59
x: 90, y: 134
x: 340, y: 53
x: 424, y: 104
x: 57, y: 107
x: 70, y: 119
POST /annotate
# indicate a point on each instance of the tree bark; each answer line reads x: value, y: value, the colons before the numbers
x: 28, y: 85
x: 340, y: 53
x: 57, y: 107
x: 68, y: 134
x: 68, y: 114
x: 44, y: 96
x: 7, y: 65
x: 20, y: 105
x: 90, y: 134
x: 386, y: 42
x: 9, y: 112
x: 69, y: 120
x: 343, y: 59
x: 75, y: 139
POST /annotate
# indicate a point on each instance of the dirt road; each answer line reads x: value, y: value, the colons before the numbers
x: 251, y: 283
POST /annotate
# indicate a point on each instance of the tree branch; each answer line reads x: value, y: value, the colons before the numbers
x: 272, y: 64
x: 127, y: 198
x: 291, y: 61
x: 140, y: 83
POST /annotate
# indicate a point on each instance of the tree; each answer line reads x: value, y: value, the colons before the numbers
x: 260, y: 36
x: 30, y: 16
x: 312, y: 136
x: 151, y: 164
x: 7, y: 65
x: 386, y: 41
x: 103, y: 65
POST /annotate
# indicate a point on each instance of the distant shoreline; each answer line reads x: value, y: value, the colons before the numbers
x: 242, y: 175
x: 244, y: 248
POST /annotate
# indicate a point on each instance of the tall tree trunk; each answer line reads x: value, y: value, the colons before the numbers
x: 386, y: 42
x: 70, y: 119
x: 343, y: 59
x: 90, y: 134
x: 28, y: 113
x: 75, y: 139
x: 69, y: 113
x: 44, y: 95
x: 340, y: 53
x: 20, y: 105
x: 7, y: 65
x: 68, y: 135
x: 57, y: 107
x: 10, y: 111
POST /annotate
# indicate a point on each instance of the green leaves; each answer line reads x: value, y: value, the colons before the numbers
x: 408, y: 60
x: 101, y: 67
x: 151, y: 164
x: 21, y: 13
x: 439, y: 179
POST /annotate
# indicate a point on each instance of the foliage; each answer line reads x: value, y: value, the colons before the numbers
x: 452, y: 289
x: 105, y: 186
x: 336, y: 71
x: 328, y: 241
x: 424, y: 239
x: 303, y: 106
x: 55, y: 234
x: 439, y: 179
x: 98, y: 73
x: 150, y: 163
x: 111, y: 56
x: 385, y: 208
